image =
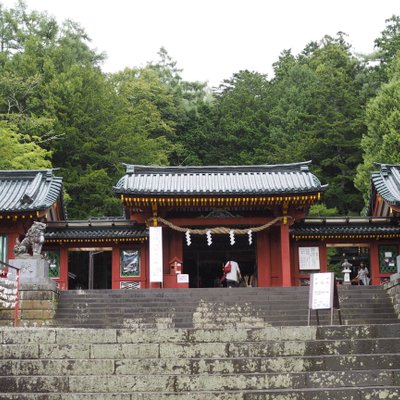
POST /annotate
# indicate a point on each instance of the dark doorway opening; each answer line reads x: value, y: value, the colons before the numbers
x: 89, y: 269
x: 204, y: 263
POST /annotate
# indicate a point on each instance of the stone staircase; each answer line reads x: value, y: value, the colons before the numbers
x: 204, y: 308
x: 269, y: 363
x: 205, y: 344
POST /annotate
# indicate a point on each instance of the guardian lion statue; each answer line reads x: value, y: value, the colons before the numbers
x: 34, y: 240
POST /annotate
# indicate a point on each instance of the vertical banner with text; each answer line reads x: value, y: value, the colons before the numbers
x: 156, y: 254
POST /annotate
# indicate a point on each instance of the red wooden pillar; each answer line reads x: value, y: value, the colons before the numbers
x: 11, y: 241
x: 323, y: 257
x: 374, y: 267
x: 63, y: 268
x: 285, y: 256
x: 175, y: 245
x: 295, y: 262
x: 115, y: 268
x: 263, y: 259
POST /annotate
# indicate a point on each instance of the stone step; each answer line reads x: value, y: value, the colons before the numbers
x: 200, y: 382
x: 219, y: 297
x: 227, y: 312
x: 324, y: 319
x: 86, y: 317
x: 224, y: 319
x: 169, y: 323
x: 219, y: 292
x: 40, y: 336
x: 347, y: 393
x: 203, y: 350
x: 208, y: 323
x: 125, y: 302
x: 243, y: 365
x: 341, y: 362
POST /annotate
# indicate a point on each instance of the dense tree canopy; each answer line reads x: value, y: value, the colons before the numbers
x: 58, y: 109
x: 18, y: 151
x: 381, y: 144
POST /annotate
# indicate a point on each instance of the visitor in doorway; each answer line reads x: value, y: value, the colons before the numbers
x: 222, y: 279
x: 233, y: 277
x: 363, y: 274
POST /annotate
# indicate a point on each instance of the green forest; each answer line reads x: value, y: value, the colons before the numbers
x: 58, y: 109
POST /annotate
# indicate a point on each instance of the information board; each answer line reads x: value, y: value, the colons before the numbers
x: 156, y: 254
x: 182, y: 278
x: 309, y: 258
x: 321, y: 291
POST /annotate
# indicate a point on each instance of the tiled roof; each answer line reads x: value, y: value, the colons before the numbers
x: 221, y: 180
x: 354, y: 226
x: 387, y: 183
x: 25, y: 191
x: 98, y: 229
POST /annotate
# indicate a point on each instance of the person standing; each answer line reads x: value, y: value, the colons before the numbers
x: 233, y: 275
x: 363, y: 274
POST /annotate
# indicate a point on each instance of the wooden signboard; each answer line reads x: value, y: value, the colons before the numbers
x: 323, y: 295
x: 309, y: 258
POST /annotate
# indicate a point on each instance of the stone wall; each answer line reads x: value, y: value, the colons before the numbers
x: 393, y: 289
x: 37, y: 306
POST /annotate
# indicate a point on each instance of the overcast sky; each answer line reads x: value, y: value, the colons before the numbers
x: 213, y: 39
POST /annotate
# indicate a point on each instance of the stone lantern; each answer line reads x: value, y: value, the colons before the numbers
x: 346, y: 272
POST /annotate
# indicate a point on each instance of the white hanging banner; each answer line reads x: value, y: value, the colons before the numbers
x: 156, y: 254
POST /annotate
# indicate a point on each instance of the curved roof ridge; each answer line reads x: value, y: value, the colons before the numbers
x: 386, y: 164
x: 275, y: 179
x: 148, y: 169
x: 29, y: 190
x: 387, y: 183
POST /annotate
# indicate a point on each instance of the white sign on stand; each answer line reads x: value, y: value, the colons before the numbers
x: 323, y: 295
x: 321, y: 291
x: 156, y: 254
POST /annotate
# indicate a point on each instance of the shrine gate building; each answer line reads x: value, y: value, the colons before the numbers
x: 203, y: 216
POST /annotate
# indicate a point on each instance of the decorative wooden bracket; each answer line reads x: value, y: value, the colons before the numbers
x: 285, y: 212
x: 155, y: 211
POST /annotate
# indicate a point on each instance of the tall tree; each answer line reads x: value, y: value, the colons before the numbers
x: 293, y: 109
x: 387, y: 46
x: 381, y: 143
x: 145, y: 124
x: 19, y: 151
x: 240, y: 126
x: 317, y: 115
x: 334, y: 141
x: 191, y: 102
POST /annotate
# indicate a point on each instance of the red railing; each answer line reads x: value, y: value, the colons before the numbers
x: 9, y: 288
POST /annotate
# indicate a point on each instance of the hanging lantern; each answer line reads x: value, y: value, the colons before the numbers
x: 188, y: 239
x: 232, y: 237
x: 209, y: 238
x: 250, y: 233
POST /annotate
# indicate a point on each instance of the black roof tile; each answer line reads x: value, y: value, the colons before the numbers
x: 26, y: 191
x: 222, y: 180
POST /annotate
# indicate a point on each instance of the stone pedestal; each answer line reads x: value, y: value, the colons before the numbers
x: 38, y: 295
x: 34, y: 272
